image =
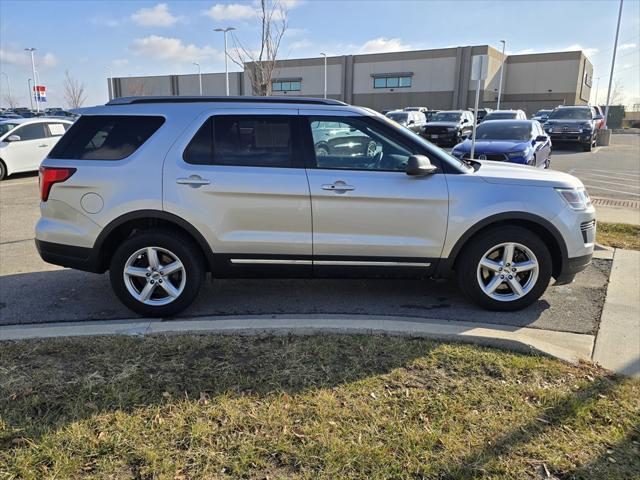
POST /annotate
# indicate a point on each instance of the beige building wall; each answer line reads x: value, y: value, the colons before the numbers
x: 440, y: 79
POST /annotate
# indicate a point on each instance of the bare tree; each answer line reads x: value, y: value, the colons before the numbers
x: 259, y: 64
x: 11, y: 101
x: 73, y: 91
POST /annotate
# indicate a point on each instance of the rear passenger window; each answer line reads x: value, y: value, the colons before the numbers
x: 105, y: 137
x: 240, y: 140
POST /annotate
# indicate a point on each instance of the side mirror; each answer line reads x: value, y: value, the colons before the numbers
x: 541, y: 138
x: 411, y: 122
x: 13, y: 138
x: 419, y: 165
x: 466, y: 120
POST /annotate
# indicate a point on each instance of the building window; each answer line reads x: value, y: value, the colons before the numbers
x: 286, y: 85
x: 400, y: 81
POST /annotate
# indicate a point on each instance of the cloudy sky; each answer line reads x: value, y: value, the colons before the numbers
x: 132, y: 37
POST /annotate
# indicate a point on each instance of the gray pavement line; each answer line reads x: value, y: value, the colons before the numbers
x: 17, y: 241
x: 571, y: 347
x: 635, y: 182
x: 595, y: 187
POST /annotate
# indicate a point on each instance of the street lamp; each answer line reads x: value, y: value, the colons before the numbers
x: 30, y: 96
x: 325, y: 73
x: 597, y: 87
x: 501, y: 74
x: 226, y: 68
x: 613, y: 63
x: 8, y: 85
x: 112, y: 93
x: 199, y: 76
x: 33, y: 67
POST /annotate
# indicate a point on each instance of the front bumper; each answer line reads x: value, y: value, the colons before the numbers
x: 440, y: 138
x: 572, y: 266
x: 571, y: 137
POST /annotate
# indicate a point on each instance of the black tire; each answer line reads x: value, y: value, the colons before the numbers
x: 3, y: 170
x: 587, y: 147
x: 182, y: 247
x: 468, y: 263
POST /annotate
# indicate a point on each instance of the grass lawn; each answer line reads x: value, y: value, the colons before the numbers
x: 619, y: 235
x: 314, y: 407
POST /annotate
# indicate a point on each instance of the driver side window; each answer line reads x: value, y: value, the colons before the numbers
x: 352, y: 143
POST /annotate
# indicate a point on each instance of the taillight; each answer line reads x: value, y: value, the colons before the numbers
x: 50, y: 175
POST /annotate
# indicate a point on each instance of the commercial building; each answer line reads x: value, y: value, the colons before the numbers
x: 437, y: 79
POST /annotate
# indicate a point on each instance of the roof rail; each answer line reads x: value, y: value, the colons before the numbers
x: 235, y: 99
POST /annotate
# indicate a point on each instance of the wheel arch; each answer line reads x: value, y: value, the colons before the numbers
x: 122, y: 227
x: 538, y: 225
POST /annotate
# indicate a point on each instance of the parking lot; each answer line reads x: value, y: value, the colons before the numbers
x: 56, y: 294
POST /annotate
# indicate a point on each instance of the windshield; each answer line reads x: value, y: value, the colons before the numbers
x: 540, y: 113
x: 571, y: 114
x: 398, y: 116
x: 500, y: 116
x: 7, y: 127
x: 504, y: 131
x: 447, y: 117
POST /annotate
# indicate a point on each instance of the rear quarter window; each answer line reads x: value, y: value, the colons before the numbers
x: 105, y: 137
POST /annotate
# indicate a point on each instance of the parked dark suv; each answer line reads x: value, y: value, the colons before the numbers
x: 576, y: 124
x: 449, y: 127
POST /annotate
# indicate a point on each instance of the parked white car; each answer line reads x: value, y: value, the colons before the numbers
x: 25, y: 142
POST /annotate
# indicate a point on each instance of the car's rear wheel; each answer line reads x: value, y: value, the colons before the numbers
x: 506, y: 268
x: 157, y: 273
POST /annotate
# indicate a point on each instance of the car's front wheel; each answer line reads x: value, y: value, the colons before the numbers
x: 506, y: 268
x: 157, y: 273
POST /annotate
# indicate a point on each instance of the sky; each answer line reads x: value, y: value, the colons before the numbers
x: 90, y: 39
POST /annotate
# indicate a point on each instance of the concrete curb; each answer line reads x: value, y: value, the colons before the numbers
x: 617, y: 345
x: 571, y: 347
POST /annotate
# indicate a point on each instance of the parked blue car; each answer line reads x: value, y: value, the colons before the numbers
x: 515, y: 141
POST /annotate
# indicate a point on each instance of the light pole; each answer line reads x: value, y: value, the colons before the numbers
x: 112, y: 94
x: 30, y: 95
x: 200, y: 77
x: 613, y: 63
x: 325, y: 74
x: 597, y: 86
x: 226, y: 68
x: 504, y: 44
x: 8, y: 86
x: 33, y: 67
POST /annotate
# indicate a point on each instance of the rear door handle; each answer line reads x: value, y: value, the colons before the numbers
x: 194, y: 181
x: 338, y: 186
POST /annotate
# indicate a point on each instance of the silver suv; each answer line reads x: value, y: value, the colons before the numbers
x: 160, y: 191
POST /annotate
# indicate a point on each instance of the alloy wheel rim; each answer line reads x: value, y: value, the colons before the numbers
x: 154, y: 276
x: 508, y: 271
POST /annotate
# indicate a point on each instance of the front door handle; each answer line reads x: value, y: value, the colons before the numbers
x: 194, y: 181
x: 43, y: 146
x: 338, y: 186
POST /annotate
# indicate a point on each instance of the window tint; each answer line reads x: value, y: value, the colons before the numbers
x: 362, y: 145
x: 106, y: 137
x: 242, y: 140
x: 33, y: 131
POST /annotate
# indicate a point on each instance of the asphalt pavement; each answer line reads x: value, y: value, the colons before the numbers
x: 32, y: 291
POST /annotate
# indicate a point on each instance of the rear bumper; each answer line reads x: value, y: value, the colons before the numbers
x: 70, y: 256
x: 572, y: 266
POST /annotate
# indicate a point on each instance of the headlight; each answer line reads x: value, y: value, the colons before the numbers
x: 549, y: 129
x: 576, y: 198
x: 521, y: 153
